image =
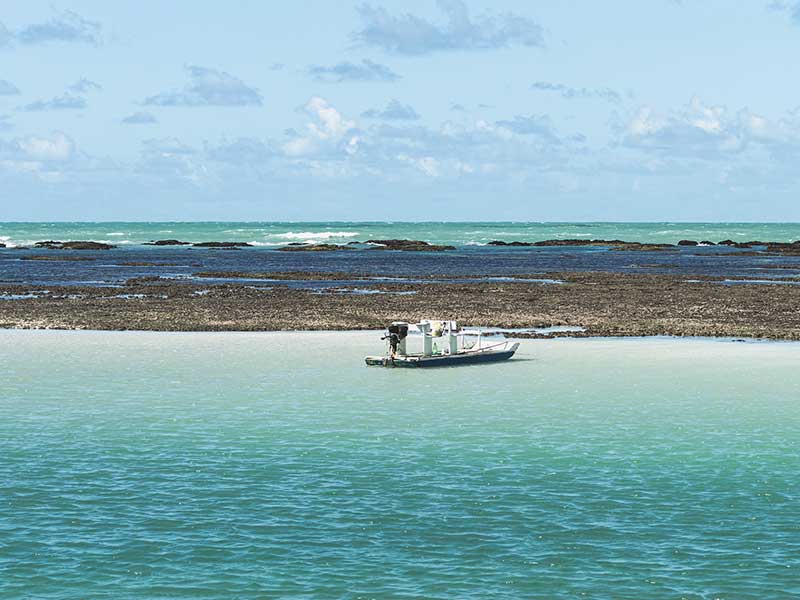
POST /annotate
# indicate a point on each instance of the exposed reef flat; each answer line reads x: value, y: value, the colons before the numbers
x: 604, y: 304
x: 408, y: 245
x: 314, y: 248
x: 614, y: 244
x: 280, y: 275
x: 167, y: 243
x: 79, y: 245
x: 404, y: 245
x: 59, y: 258
x: 220, y: 245
x: 757, y: 247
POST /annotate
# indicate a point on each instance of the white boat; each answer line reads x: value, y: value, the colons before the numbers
x: 444, y: 344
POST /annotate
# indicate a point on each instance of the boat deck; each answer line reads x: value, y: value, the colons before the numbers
x: 442, y: 360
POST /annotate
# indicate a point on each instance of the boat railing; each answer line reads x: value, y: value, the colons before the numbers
x: 482, y: 348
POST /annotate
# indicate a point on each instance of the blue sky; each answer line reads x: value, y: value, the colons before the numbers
x: 413, y: 110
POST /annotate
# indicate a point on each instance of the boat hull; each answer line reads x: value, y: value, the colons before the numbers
x: 466, y: 358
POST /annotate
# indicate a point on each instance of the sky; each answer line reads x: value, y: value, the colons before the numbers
x: 625, y: 110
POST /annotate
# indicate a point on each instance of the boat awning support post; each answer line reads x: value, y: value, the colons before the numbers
x: 427, y: 340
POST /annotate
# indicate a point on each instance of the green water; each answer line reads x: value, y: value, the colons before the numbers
x: 146, y: 465
x: 275, y: 234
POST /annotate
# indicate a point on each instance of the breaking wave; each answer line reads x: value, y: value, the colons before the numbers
x: 315, y: 235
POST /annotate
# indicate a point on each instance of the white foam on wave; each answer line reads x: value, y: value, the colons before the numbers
x: 116, y: 233
x: 315, y: 235
x: 255, y: 243
x: 116, y: 242
x: 6, y: 239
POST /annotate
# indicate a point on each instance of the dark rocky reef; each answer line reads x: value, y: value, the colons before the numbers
x: 79, y: 245
x: 640, y: 247
x: 222, y: 245
x: 282, y: 275
x: 59, y: 258
x: 615, y: 244
x: 314, y: 248
x: 602, y: 303
x: 516, y: 244
x: 136, y: 263
x: 167, y: 243
x: 785, y: 248
x: 749, y: 244
x: 2, y: 245
x: 408, y: 245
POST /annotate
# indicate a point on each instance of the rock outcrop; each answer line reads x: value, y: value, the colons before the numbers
x: 167, y: 243
x: 58, y: 258
x: 502, y: 243
x: 408, y: 245
x: 79, y: 245
x: 614, y: 244
x: 786, y: 248
x: 314, y: 248
x: 222, y: 245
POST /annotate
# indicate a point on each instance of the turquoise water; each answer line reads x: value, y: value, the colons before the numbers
x: 269, y: 234
x: 145, y: 465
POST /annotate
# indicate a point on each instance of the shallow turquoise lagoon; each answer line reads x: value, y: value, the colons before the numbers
x: 149, y: 465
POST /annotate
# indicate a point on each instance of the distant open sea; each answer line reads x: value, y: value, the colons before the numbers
x: 276, y: 465
x: 458, y: 234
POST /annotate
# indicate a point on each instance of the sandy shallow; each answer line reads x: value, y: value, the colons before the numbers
x: 148, y: 464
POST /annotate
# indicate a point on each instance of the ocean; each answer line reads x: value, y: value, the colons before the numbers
x: 273, y: 234
x: 471, y: 258
x: 151, y: 465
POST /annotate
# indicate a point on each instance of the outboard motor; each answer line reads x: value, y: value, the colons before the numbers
x: 397, y: 334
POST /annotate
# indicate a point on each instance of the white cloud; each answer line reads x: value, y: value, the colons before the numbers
x: 63, y: 102
x: 57, y: 147
x: 68, y: 26
x: 565, y: 91
x: 426, y: 164
x: 347, y: 71
x: 209, y: 87
x: 413, y: 35
x: 7, y: 88
x: 83, y: 86
x: 328, y: 131
x: 696, y: 129
x: 140, y: 118
x: 710, y: 132
x: 45, y: 157
x: 394, y: 111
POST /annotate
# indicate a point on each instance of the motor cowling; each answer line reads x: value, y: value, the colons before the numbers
x: 397, y: 333
x: 399, y: 329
